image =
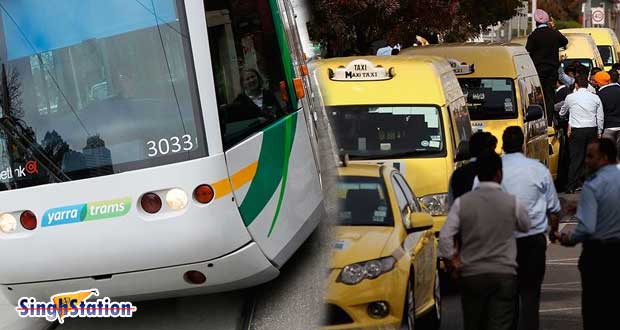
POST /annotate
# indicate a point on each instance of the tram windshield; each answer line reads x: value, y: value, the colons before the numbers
x: 91, y: 88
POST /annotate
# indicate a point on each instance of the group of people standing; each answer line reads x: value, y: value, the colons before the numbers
x: 505, y: 210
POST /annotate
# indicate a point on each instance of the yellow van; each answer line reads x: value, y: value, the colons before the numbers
x: 407, y: 112
x: 581, y: 48
x: 502, y: 90
x: 606, y: 41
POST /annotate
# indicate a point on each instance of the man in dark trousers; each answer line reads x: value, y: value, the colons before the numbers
x: 609, y: 92
x: 544, y: 44
x: 585, y: 123
x: 598, y: 229
x: 532, y: 183
x: 462, y: 179
x: 487, y: 255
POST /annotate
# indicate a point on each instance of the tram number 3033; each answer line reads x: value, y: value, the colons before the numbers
x: 173, y: 145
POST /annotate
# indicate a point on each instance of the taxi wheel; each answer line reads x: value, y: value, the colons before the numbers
x: 409, y: 310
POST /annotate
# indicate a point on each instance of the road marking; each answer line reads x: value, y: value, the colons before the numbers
x: 562, y: 264
x: 560, y: 289
x: 564, y: 283
x: 559, y: 260
x: 560, y: 309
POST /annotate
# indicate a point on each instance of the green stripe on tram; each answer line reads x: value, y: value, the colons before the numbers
x: 272, y: 170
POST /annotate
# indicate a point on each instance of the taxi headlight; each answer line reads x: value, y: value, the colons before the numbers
x: 355, y: 273
x: 436, y: 205
x: 8, y: 223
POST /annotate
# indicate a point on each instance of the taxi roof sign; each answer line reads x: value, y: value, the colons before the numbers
x: 461, y: 68
x: 361, y: 70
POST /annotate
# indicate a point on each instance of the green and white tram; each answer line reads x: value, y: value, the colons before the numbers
x: 151, y: 148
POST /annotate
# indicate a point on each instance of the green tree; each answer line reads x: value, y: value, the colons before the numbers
x: 352, y: 25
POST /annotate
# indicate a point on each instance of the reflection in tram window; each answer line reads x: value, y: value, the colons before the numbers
x: 243, y: 41
x: 113, y: 95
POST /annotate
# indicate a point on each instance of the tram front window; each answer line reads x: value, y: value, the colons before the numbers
x: 96, y: 87
x: 384, y: 132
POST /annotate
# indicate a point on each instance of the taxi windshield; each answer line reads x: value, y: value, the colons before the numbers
x: 386, y: 131
x: 606, y: 54
x: 573, y: 61
x: 490, y: 98
x: 363, y: 201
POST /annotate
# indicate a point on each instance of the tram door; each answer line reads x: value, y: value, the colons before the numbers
x: 269, y: 154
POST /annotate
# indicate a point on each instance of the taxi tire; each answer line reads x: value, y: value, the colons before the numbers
x: 409, y: 322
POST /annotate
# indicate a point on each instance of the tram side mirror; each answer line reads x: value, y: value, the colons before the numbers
x: 534, y: 112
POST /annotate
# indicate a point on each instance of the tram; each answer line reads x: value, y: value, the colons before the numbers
x: 152, y: 148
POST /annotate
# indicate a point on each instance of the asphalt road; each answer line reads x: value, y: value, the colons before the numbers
x: 561, y: 293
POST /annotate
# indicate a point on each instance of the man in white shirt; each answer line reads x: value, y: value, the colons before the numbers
x: 585, y: 124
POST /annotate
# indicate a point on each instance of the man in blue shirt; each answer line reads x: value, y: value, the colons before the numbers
x: 531, y: 182
x: 598, y: 230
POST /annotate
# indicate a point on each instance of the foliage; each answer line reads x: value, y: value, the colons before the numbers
x: 567, y: 24
x: 350, y: 26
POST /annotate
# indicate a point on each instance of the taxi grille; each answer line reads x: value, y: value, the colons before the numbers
x: 335, y: 315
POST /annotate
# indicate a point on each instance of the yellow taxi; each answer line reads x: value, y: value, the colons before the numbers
x: 383, y: 272
x: 502, y: 90
x: 407, y: 112
x: 606, y: 41
x: 581, y: 48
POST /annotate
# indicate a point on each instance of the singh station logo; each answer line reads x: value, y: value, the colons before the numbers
x: 30, y: 168
x: 73, y: 305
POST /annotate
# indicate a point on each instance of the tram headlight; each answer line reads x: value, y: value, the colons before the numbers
x: 176, y: 199
x: 8, y: 223
x: 355, y: 273
x: 436, y: 205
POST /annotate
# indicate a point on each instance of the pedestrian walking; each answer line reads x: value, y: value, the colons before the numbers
x: 544, y: 44
x: 585, y: 123
x: 486, y: 258
x: 598, y: 229
x: 609, y: 93
x: 532, y: 183
x: 462, y: 178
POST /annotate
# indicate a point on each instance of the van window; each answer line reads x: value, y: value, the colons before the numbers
x: 461, y: 122
x: 606, y: 54
x: 490, y: 98
x: 384, y: 132
x: 583, y: 61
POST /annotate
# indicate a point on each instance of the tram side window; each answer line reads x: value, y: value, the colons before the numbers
x: 247, y: 66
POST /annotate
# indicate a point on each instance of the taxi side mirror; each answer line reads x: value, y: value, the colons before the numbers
x: 550, y: 131
x: 419, y: 221
x: 534, y: 112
